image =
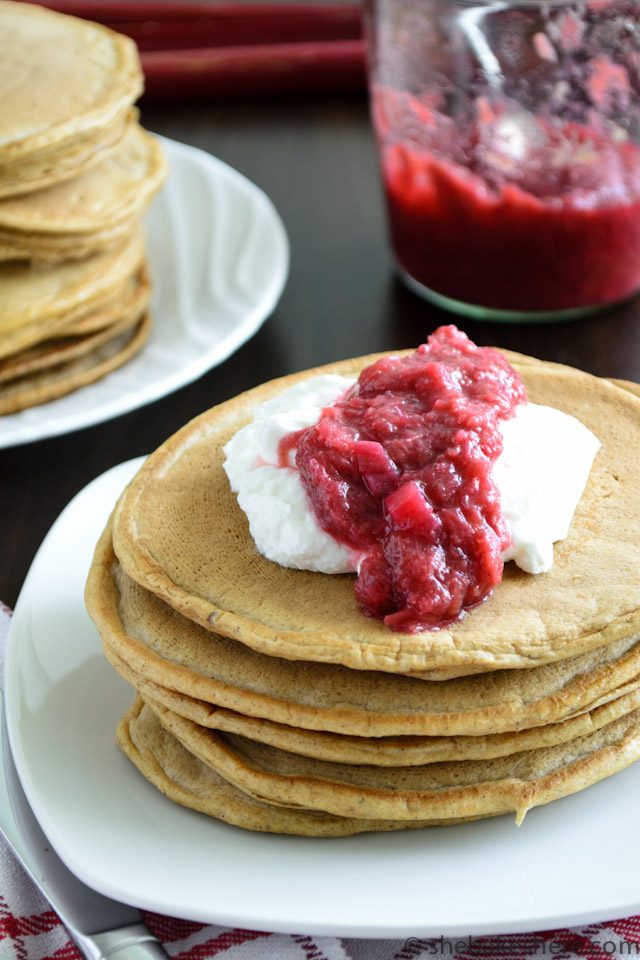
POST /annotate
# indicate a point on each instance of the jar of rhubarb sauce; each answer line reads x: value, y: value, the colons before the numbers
x: 509, y: 138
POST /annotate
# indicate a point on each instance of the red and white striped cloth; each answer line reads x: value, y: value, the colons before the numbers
x: 30, y: 930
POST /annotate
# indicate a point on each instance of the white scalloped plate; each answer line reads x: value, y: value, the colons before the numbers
x: 571, y: 862
x: 219, y: 259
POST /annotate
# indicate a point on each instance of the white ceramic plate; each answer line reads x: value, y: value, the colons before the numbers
x: 219, y: 258
x: 571, y: 862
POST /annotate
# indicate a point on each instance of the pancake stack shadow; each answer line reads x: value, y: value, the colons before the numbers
x: 265, y: 699
x: 77, y: 173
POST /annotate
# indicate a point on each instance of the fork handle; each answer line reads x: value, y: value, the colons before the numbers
x: 134, y: 942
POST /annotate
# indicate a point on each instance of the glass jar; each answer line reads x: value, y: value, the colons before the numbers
x: 509, y: 146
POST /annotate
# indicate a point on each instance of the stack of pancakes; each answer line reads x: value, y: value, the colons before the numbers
x: 266, y: 699
x: 77, y: 173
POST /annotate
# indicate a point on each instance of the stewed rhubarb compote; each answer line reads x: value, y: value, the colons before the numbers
x: 399, y: 469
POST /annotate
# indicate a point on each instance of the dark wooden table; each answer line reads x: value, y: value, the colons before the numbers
x: 316, y: 160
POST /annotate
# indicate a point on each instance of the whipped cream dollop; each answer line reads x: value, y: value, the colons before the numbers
x: 540, y: 474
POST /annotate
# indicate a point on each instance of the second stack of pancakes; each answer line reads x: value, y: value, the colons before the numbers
x: 265, y: 699
x: 77, y: 173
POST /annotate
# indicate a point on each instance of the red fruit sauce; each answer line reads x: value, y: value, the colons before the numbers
x: 400, y: 470
x: 554, y: 229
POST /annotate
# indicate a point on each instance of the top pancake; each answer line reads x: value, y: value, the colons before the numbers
x: 60, y: 77
x: 179, y: 532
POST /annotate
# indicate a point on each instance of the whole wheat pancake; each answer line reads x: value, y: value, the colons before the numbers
x: 63, y: 378
x: 134, y: 293
x: 164, y: 648
x: 53, y: 352
x: 116, y: 188
x: 163, y: 761
x: 94, y: 211
x: 57, y: 248
x: 60, y: 78
x: 37, y: 300
x: 467, y: 788
x: 56, y: 164
x: 180, y: 533
x: 376, y: 751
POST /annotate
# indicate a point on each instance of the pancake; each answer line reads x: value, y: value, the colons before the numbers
x: 36, y: 301
x: 56, y: 249
x: 179, y: 532
x: 57, y: 164
x: 464, y: 789
x: 116, y: 188
x: 63, y: 378
x: 52, y: 353
x: 628, y: 385
x: 163, y: 761
x: 95, y: 211
x: 133, y: 291
x: 61, y: 78
x: 165, y: 649
x: 375, y: 751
